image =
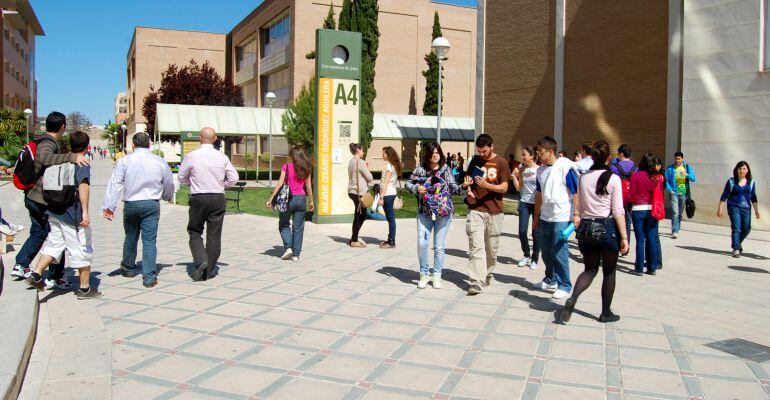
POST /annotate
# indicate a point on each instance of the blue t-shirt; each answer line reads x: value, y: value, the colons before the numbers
x: 73, y: 215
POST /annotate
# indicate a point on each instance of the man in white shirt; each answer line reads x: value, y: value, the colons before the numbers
x: 208, y: 172
x: 586, y: 162
x: 143, y: 179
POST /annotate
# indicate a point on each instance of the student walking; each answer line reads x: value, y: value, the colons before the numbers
x: 297, y: 174
x: 388, y: 193
x: 585, y: 162
x: 69, y: 224
x: 142, y: 179
x: 644, y: 183
x: 359, y: 178
x: 678, y: 178
x: 433, y: 184
x: 208, y: 172
x: 485, y: 212
x: 525, y: 181
x: 740, y: 194
x: 47, y: 154
x: 557, y: 181
x: 624, y: 167
x: 600, y: 220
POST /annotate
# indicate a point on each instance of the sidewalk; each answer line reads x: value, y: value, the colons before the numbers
x: 350, y: 324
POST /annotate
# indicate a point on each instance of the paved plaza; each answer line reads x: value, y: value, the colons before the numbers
x: 349, y: 323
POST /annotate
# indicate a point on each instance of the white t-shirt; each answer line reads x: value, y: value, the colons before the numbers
x: 528, y: 184
x: 552, y: 212
x: 391, y: 189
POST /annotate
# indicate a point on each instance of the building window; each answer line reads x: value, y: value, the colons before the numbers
x: 278, y: 83
x: 246, y: 54
x: 250, y: 95
x: 276, y: 36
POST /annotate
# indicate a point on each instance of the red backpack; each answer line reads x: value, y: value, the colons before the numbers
x: 625, y: 182
x: 24, y: 175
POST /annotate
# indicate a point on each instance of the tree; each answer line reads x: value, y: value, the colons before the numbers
x: 362, y: 16
x: 430, y: 106
x: 77, y: 121
x: 192, y: 84
x: 299, y: 119
x: 13, y: 133
x: 328, y: 24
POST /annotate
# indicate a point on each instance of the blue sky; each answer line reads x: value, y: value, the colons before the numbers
x: 81, y: 62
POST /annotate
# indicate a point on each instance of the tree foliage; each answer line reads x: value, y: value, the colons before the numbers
x: 192, y: 84
x: 77, y: 121
x: 430, y: 106
x: 299, y: 119
x: 362, y: 16
x: 13, y: 133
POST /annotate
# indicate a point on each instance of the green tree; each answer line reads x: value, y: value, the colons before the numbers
x: 430, y: 106
x: 13, y: 133
x: 362, y: 16
x: 328, y: 24
x: 299, y: 119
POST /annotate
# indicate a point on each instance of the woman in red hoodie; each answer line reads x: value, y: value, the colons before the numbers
x: 644, y: 183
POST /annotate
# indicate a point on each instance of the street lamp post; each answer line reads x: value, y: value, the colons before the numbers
x: 27, y: 114
x: 123, y: 138
x: 270, y: 99
x: 440, y: 47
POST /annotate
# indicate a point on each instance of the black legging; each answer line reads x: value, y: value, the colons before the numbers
x: 358, y: 218
x: 593, y: 255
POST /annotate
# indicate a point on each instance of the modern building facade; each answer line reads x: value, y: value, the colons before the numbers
x: 121, y: 107
x: 17, y: 80
x: 152, y: 50
x: 266, y: 52
x: 660, y: 76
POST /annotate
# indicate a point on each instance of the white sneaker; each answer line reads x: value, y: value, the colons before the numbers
x: 18, y: 272
x: 533, y: 265
x: 560, y: 294
x: 547, y: 286
x: 675, y: 235
x: 294, y: 259
x: 287, y: 255
x: 423, y: 282
x: 436, y: 281
x: 524, y: 262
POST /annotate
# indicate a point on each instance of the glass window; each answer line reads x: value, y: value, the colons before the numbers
x: 246, y: 54
x: 278, y: 83
x: 276, y: 36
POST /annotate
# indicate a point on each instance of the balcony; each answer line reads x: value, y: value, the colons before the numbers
x: 278, y: 58
x: 247, y: 73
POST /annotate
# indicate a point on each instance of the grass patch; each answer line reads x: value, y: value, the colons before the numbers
x: 253, y: 202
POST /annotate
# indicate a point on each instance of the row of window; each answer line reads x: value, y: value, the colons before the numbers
x: 11, y: 101
x: 11, y: 70
x: 15, y: 44
x: 273, y: 38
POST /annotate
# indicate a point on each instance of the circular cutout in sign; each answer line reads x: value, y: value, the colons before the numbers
x: 340, y: 55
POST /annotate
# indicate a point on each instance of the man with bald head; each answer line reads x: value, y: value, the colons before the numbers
x: 208, y: 172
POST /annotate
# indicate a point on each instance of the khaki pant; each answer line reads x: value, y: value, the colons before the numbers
x: 483, y: 231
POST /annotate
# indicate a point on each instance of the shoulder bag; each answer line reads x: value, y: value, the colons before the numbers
x: 366, y: 200
x: 689, y: 203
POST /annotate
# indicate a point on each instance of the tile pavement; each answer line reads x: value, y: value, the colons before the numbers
x: 350, y: 324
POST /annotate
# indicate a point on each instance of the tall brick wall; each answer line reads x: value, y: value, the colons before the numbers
x: 519, y: 88
x: 615, y: 83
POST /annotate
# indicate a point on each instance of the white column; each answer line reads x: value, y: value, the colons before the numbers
x: 674, y: 84
x: 480, y: 55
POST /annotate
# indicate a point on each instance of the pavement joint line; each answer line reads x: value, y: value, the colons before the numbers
x: 725, y: 378
x: 601, y: 388
x: 404, y: 391
x: 643, y: 393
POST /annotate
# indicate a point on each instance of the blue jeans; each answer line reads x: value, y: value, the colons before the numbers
x: 677, y: 208
x: 375, y: 215
x: 292, y: 234
x: 440, y: 227
x: 740, y: 222
x: 555, y: 253
x: 527, y: 212
x: 648, y: 254
x: 390, y: 215
x: 141, y: 217
x: 38, y: 231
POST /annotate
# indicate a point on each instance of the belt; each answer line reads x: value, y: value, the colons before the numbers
x: 642, y: 207
x: 207, y: 194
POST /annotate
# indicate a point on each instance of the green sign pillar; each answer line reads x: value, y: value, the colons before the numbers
x: 338, y: 109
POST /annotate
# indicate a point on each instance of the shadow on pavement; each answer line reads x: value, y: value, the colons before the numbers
x: 410, y: 276
x: 345, y: 240
x: 138, y: 269
x: 722, y: 252
x: 748, y: 269
x: 275, y: 251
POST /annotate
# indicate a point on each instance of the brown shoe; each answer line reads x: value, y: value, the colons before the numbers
x: 356, y: 244
x: 386, y: 245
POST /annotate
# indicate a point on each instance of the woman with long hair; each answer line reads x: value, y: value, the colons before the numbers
x: 297, y: 173
x: 740, y: 194
x: 359, y: 178
x: 433, y: 184
x: 388, y: 192
x: 599, y: 204
x: 525, y: 181
x: 644, y: 183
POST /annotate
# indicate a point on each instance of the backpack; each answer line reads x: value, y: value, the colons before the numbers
x: 59, y: 186
x: 437, y: 200
x: 625, y: 182
x: 24, y: 175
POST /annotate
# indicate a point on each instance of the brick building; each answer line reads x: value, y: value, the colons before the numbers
x: 18, y: 85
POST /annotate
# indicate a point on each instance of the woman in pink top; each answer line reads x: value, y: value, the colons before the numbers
x: 644, y: 183
x: 297, y: 173
x: 599, y: 204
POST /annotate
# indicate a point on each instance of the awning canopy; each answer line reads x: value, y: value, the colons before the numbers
x: 177, y: 119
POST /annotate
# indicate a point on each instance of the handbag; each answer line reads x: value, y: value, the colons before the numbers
x: 591, y: 231
x: 367, y: 199
x: 658, y: 208
x: 689, y: 203
x: 283, y: 197
x: 398, y: 202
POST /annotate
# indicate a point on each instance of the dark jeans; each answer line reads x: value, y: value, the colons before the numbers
x: 358, y: 218
x: 740, y: 222
x: 141, y: 217
x: 390, y: 215
x: 648, y: 254
x: 38, y: 231
x: 527, y: 212
x: 208, y: 209
x: 291, y: 224
x: 628, y: 224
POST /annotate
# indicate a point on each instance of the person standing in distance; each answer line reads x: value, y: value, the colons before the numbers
x: 143, y: 179
x: 208, y: 172
x: 485, y: 212
x: 678, y: 176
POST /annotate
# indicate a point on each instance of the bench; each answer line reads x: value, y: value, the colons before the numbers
x: 233, y: 195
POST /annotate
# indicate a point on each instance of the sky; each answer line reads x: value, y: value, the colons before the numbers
x: 81, y: 60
